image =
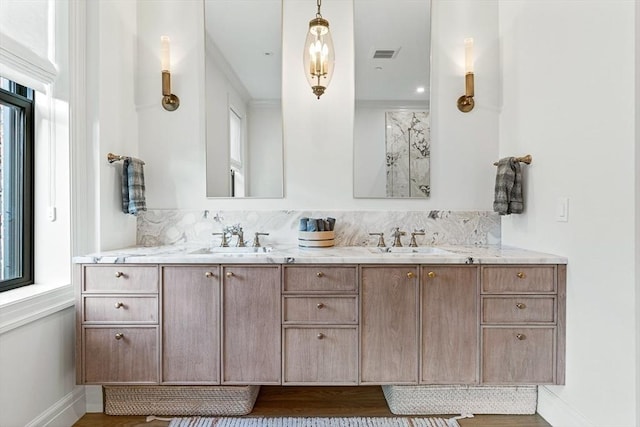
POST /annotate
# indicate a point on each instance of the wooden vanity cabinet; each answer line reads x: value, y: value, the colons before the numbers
x: 118, y: 324
x: 449, y: 325
x: 241, y: 324
x: 190, y: 324
x: 251, y: 349
x: 522, y: 323
x: 389, y: 324
x: 320, y: 325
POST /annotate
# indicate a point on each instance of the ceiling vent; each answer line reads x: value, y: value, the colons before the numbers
x: 385, y: 53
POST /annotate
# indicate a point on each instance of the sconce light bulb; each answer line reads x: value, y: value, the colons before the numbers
x: 165, y: 56
x: 468, y: 55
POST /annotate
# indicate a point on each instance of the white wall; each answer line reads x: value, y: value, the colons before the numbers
x: 111, y: 115
x: 568, y: 84
x: 37, y: 375
x: 318, y: 151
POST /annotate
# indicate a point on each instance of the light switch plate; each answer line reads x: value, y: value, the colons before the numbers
x: 51, y: 213
x: 562, y: 209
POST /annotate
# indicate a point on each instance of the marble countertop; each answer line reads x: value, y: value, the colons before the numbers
x: 189, y: 254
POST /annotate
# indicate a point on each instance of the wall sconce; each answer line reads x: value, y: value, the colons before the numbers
x: 170, y: 102
x: 319, y: 56
x: 466, y: 102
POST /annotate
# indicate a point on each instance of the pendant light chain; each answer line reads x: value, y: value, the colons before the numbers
x: 318, y: 14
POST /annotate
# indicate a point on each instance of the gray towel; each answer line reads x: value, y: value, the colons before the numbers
x: 508, y: 189
x: 133, y: 200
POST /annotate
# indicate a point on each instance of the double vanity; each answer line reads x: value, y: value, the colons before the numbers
x: 179, y: 315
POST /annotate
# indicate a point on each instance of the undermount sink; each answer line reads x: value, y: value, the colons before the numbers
x: 423, y: 250
x: 233, y: 250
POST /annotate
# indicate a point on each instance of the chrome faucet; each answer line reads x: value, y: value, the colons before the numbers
x: 415, y: 233
x: 396, y: 237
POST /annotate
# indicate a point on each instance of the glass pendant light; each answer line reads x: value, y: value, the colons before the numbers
x: 319, y: 56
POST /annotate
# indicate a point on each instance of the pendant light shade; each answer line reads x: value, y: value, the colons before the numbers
x: 319, y: 56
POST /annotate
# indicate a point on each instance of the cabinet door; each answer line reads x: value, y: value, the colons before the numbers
x: 449, y: 325
x: 190, y: 324
x: 251, y: 325
x: 120, y: 355
x: 518, y: 355
x: 317, y: 355
x: 389, y: 325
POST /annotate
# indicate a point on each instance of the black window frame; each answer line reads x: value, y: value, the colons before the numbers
x: 24, y: 98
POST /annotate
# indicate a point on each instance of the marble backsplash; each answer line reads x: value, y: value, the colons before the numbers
x: 159, y: 227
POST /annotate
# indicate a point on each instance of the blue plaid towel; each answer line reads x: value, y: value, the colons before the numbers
x: 508, y: 189
x: 133, y: 200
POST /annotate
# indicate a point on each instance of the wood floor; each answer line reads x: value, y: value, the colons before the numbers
x: 320, y: 401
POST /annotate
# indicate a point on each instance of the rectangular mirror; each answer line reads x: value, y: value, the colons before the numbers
x: 243, y: 109
x: 392, y: 127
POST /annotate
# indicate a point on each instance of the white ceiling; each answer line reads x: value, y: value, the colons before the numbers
x: 248, y: 34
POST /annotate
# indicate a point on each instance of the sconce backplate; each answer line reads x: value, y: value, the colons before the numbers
x: 170, y: 102
x: 466, y: 103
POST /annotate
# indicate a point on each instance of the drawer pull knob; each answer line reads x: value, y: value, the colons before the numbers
x: 119, y: 304
x: 431, y: 274
x: 119, y: 336
x: 521, y: 337
x: 119, y: 274
x: 229, y: 274
x: 411, y: 275
x: 320, y: 336
x: 520, y: 275
x: 319, y: 274
x: 208, y: 274
x: 320, y: 306
x: 521, y: 306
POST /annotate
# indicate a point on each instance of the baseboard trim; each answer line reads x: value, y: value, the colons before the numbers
x: 64, y: 412
x: 557, y: 412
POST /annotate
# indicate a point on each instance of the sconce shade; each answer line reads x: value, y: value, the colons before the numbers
x: 170, y: 102
x: 319, y: 56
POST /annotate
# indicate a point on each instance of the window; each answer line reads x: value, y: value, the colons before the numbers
x: 16, y: 184
x: 235, y: 154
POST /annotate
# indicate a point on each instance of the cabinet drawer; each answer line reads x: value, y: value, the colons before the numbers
x: 121, y: 355
x: 518, y: 355
x: 120, y: 278
x: 320, y: 279
x: 518, y: 310
x: 334, y: 310
x: 321, y: 356
x: 519, y: 279
x: 121, y: 309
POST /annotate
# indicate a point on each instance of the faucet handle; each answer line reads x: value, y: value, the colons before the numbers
x: 256, y: 239
x: 224, y: 243
x: 415, y: 233
x: 380, y: 239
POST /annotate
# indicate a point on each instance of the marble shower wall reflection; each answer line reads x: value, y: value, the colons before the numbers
x: 408, y: 153
x: 165, y: 227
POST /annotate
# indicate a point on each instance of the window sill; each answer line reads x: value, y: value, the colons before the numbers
x: 30, y: 303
